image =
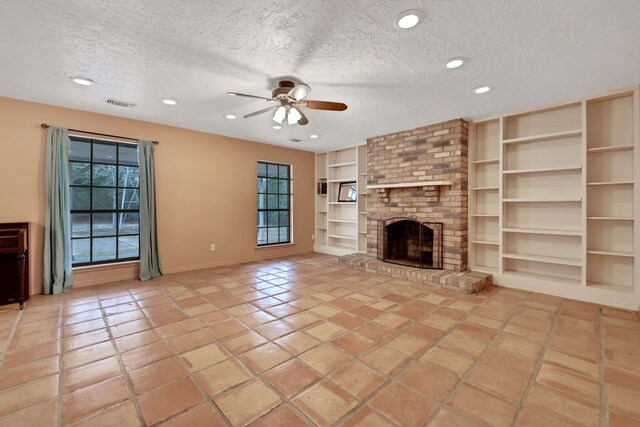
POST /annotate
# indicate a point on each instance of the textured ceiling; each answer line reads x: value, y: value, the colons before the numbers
x: 532, y: 53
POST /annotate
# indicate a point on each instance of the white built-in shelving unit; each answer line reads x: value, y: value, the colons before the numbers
x: 341, y: 226
x: 554, y: 200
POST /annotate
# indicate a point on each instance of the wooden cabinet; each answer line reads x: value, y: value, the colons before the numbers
x: 14, y: 263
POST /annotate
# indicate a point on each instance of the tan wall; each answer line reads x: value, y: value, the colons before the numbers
x: 206, y: 188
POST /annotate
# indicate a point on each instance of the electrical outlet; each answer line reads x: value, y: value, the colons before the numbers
x: 313, y: 237
x: 213, y: 247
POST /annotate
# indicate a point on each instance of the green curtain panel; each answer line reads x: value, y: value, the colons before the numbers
x: 58, y: 275
x: 149, y: 256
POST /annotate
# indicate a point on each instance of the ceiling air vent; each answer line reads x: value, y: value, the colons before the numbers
x: 295, y: 140
x: 120, y: 103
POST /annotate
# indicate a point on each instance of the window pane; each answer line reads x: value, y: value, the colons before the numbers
x: 284, y: 202
x: 262, y: 236
x: 273, y: 219
x: 104, y: 198
x: 79, y: 173
x: 104, y: 175
x: 128, y: 247
x: 80, y: 225
x: 128, y: 176
x: 262, y: 169
x: 128, y: 198
x: 129, y: 223
x: 80, y: 151
x: 104, y: 152
x: 284, y: 219
x: 80, y: 198
x: 272, y: 186
x: 262, y: 201
x: 128, y: 155
x: 262, y: 219
x: 104, y: 224
x: 284, y: 234
x: 80, y: 251
x: 283, y: 171
x: 284, y: 186
x: 104, y: 248
x: 262, y: 185
x: 272, y: 235
x: 272, y: 201
x: 272, y: 170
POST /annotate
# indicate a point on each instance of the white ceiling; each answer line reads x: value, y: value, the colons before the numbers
x: 532, y: 53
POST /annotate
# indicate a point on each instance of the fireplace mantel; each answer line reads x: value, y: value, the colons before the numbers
x: 409, y: 185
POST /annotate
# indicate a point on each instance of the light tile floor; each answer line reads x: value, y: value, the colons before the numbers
x: 302, y: 341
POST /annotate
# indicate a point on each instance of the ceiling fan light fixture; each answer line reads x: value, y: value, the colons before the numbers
x: 455, y: 62
x: 408, y: 19
x: 294, y: 116
x: 299, y: 92
x: 279, y: 115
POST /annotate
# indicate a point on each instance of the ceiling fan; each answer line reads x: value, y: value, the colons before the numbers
x: 290, y: 98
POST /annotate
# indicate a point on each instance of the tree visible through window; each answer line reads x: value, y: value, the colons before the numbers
x: 274, y: 203
x: 104, y: 181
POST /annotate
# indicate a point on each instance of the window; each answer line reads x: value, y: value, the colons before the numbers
x: 104, y: 182
x: 274, y: 203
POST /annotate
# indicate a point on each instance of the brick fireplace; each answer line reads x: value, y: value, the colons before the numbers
x: 436, y: 152
x: 422, y: 174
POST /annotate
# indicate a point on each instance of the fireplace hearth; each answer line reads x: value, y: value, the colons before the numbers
x: 411, y: 242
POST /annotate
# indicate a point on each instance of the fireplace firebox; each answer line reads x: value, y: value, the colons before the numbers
x: 411, y: 242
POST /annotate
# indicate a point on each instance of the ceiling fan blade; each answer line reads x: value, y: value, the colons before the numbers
x: 303, y: 121
x: 299, y: 92
x: 248, y: 96
x: 324, y: 105
x: 265, y: 110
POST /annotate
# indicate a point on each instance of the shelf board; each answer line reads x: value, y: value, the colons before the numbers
x: 337, y: 165
x: 484, y: 162
x: 539, y: 170
x: 543, y: 231
x: 342, y: 180
x: 339, y: 236
x: 610, y: 218
x: 610, y: 287
x: 410, y: 184
x: 611, y: 183
x: 322, y: 178
x: 611, y: 253
x: 485, y: 215
x: 321, y: 195
x: 322, y: 228
x: 565, y: 280
x: 346, y: 221
x: 579, y: 199
x: 544, y: 136
x: 546, y: 259
x: 362, y: 232
x: 322, y: 212
x: 612, y: 148
x: 342, y: 203
x: 484, y: 188
x: 484, y: 269
x: 362, y: 174
x: 484, y: 242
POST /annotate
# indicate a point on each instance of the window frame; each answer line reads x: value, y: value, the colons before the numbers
x: 266, y: 209
x: 116, y: 211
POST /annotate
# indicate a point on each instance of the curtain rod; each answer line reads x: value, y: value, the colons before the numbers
x: 45, y: 126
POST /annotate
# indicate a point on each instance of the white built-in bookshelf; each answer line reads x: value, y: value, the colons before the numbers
x: 341, y: 226
x: 553, y: 199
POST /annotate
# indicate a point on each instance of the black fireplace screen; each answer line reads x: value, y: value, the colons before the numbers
x: 408, y: 241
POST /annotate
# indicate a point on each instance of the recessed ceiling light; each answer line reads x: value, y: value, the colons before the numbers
x: 408, y: 19
x: 276, y: 127
x: 482, y: 89
x: 168, y: 101
x: 455, y: 63
x: 229, y: 116
x: 313, y: 136
x: 83, y: 81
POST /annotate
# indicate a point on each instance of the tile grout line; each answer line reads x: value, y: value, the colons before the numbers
x: 604, y: 396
